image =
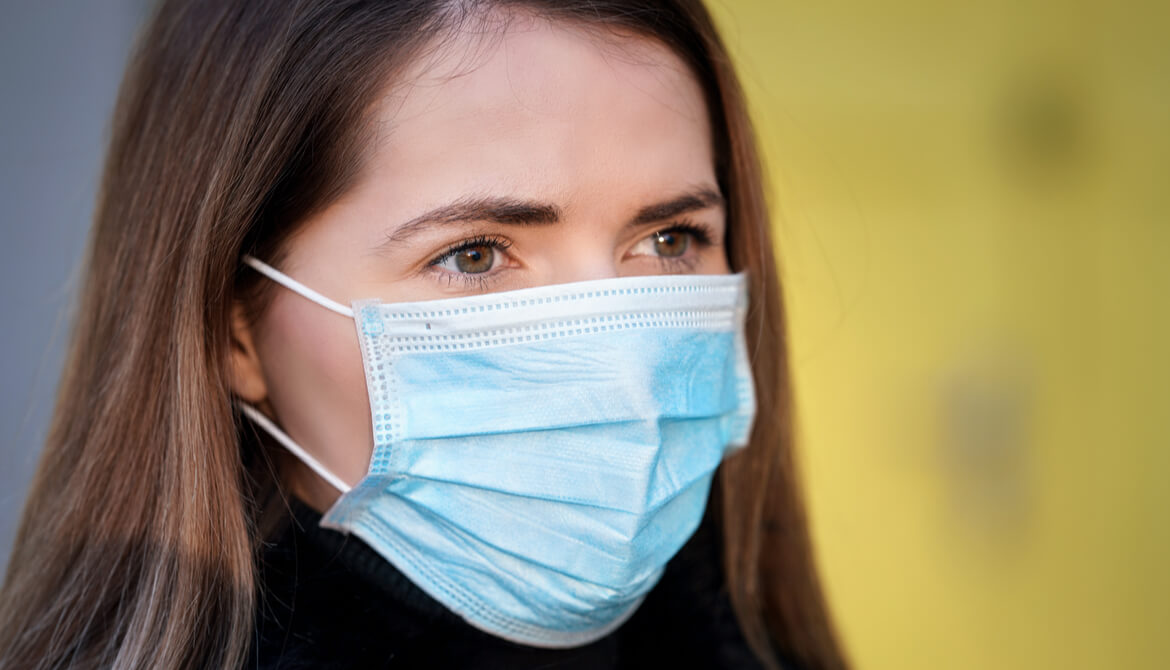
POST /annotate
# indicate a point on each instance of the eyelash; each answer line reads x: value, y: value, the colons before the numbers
x: 474, y: 280
x: 701, y: 235
x: 700, y: 232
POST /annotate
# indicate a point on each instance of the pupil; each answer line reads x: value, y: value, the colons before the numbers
x: 475, y: 260
x: 671, y: 244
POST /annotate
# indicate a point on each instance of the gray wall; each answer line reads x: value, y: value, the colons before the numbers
x: 60, y: 65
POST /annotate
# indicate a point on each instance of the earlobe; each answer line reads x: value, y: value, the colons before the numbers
x: 246, y: 376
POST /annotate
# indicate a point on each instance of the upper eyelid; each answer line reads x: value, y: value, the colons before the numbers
x: 707, y: 233
x: 500, y: 243
x: 681, y: 221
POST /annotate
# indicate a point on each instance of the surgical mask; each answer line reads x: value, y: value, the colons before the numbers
x: 540, y: 455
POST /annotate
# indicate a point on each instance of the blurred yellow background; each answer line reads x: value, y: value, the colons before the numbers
x: 973, y: 219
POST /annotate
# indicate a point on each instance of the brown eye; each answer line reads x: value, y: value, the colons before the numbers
x: 477, y: 257
x: 474, y: 260
x: 671, y: 244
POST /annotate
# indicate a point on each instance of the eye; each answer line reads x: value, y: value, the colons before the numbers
x: 471, y: 260
x: 671, y: 243
x: 472, y: 257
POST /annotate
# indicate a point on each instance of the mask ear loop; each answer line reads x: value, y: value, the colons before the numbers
x: 272, y: 429
x: 295, y: 286
x: 259, y: 418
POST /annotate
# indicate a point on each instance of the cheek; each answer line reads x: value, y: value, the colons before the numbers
x: 316, y: 385
x: 714, y: 262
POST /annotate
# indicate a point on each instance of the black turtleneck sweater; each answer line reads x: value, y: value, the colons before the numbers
x: 329, y: 601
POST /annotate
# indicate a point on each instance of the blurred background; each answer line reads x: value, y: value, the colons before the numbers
x: 971, y: 210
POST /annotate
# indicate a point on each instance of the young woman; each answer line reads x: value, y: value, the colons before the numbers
x: 423, y: 332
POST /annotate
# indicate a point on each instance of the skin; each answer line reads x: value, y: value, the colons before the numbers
x: 592, y: 128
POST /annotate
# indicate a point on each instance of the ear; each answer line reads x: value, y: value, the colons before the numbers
x: 246, y: 376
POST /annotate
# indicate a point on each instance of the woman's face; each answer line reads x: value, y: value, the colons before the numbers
x: 544, y: 155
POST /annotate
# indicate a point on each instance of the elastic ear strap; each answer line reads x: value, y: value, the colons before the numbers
x: 293, y: 447
x: 295, y: 286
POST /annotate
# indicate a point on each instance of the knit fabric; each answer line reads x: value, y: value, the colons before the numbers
x: 329, y: 601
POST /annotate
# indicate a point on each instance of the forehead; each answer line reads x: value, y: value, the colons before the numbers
x: 542, y: 108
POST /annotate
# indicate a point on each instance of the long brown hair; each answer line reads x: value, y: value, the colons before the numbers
x: 236, y: 121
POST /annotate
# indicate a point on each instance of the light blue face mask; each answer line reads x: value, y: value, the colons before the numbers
x: 539, y: 455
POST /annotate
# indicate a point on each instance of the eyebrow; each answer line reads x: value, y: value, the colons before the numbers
x: 511, y: 211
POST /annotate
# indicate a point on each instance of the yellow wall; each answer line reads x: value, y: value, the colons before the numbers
x: 972, y: 208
